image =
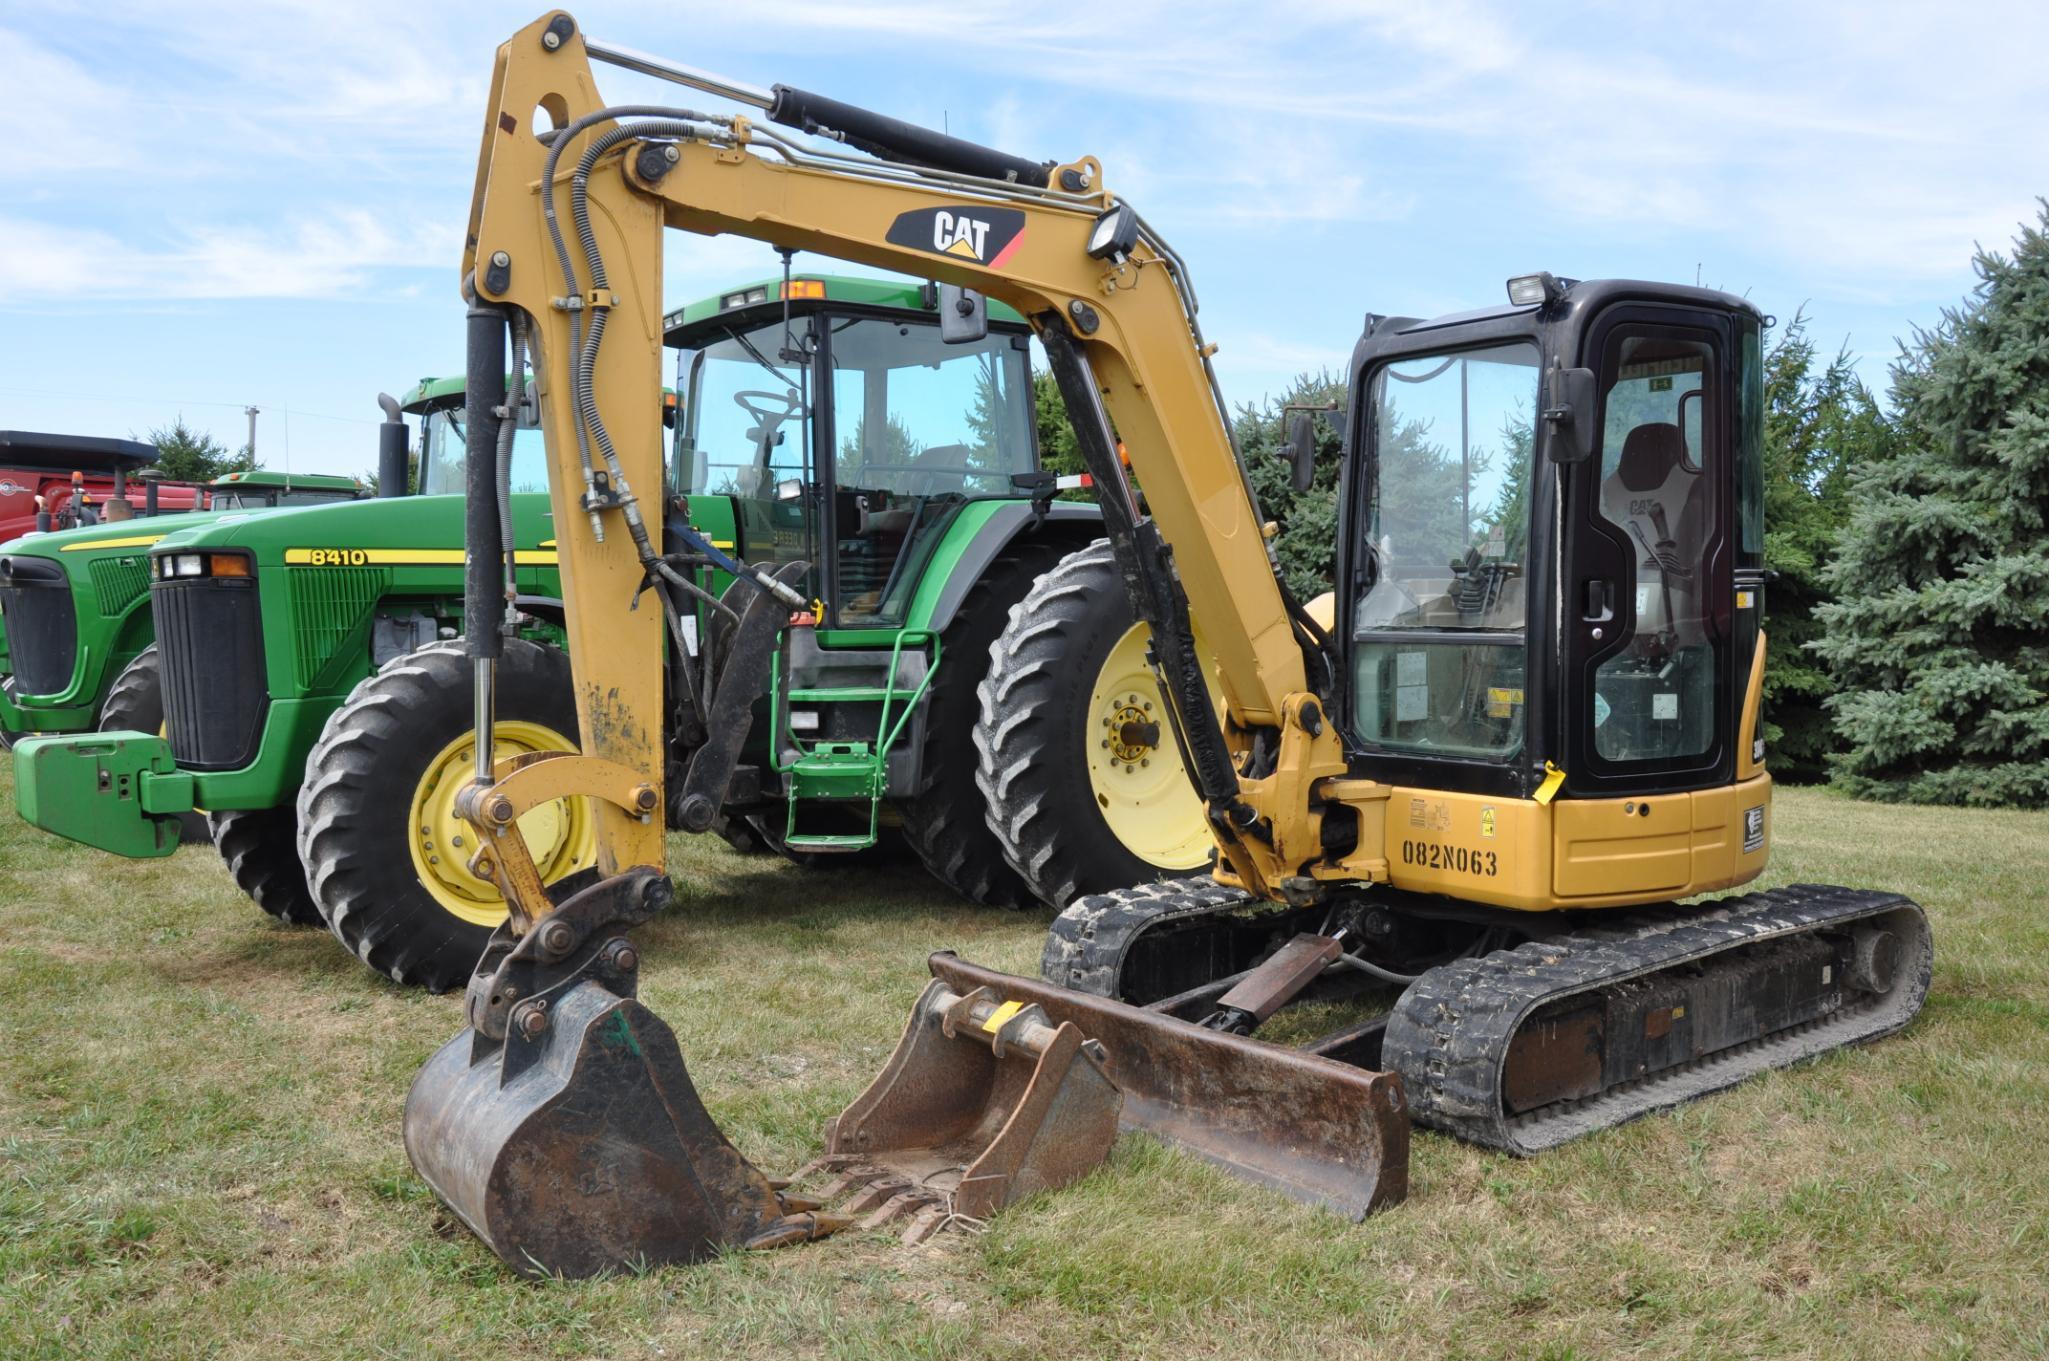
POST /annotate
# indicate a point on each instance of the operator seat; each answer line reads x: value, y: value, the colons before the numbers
x: 1661, y: 503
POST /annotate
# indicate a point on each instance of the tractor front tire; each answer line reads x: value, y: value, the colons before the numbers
x: 135, y: 703
x: 261, y: 848
x: 945, y: 823
x: 1083, y: 781
x: 386, y: 857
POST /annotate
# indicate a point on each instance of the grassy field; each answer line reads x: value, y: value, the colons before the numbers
x: 199, y: 1153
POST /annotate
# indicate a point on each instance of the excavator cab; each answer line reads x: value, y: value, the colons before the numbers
x: 1556, y: 560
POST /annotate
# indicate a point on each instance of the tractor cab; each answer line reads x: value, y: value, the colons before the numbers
x: 846, y: 431
x: 1553, y: 559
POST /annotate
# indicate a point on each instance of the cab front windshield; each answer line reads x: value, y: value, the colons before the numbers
x: 1438, y: 627
x: 282, y: 496
x: 918, y: 429
x: 442, y: 452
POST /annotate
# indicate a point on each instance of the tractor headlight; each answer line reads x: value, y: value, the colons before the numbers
x: 188, y: 565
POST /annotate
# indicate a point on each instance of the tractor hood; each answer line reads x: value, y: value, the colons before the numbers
x: 416, y: 525
x: 90, y: 541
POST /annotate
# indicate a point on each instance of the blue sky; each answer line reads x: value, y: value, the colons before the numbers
x: 210, y: 207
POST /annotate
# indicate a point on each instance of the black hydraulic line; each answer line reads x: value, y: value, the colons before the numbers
x: 484, y: 555
x: 1146, y: 563
x: 892, y: 139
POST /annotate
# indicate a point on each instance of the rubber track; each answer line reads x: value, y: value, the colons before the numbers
x: 1086, y: 946
x: 1449, y: 1033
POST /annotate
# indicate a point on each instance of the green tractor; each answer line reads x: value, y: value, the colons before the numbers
x: 320, y: 707
x: 76, y: 602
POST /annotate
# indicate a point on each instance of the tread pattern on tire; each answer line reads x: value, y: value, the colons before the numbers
x: 945, y: 823
x: 261, y: 848
x: 1015, y: 768
x: 351, y: 743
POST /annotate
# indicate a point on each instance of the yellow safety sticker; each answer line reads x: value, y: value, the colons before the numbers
x: 1553, y: 777
x: 139, y: 541
x: 1001, y: 1016
x: 1745, y: 599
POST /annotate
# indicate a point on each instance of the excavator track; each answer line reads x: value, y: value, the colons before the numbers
x: 1523, y: 1049
x: 1454, y: 1033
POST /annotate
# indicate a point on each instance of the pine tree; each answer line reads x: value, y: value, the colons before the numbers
x: 1818, y: 427
x: 1939, y: 635
x: 188, y: 455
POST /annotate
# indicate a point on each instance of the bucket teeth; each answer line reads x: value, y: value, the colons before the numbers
x: 901, y: 1204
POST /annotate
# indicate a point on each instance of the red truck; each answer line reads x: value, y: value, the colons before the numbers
x: 69, y: 479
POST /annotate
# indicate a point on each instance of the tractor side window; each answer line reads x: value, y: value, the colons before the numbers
x: 1438, y: 629
x: 444, y: 449
x: 922, y: 428
x: 1654, y: 701
x: 745, y: 432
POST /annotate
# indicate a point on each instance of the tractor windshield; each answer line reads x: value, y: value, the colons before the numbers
x: 1438, y: 624
x: 917, y: 429
x: 442, y: 452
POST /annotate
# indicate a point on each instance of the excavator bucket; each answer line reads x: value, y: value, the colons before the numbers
x: 562, y: 1126
x: 984, y: 1102
x: 1310, y: 1127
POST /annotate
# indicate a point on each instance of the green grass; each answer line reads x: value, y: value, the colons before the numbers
x: 199, y: 1153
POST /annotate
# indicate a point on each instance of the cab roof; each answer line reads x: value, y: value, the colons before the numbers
x: 63, y: 453
x: 765, y: 296
x: 268, y: 479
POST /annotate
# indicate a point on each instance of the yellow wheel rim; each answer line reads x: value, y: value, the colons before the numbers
x: 1135, y: 770
x: 561, y: 835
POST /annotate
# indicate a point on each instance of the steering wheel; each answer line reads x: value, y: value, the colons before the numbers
x: 787, y: 404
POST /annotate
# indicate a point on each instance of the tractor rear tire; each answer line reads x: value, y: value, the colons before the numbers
x: 1083, y: 781
x: 135, y: 703
x: 375, y: 823
x: 945, y: 823
x: 261, y: 847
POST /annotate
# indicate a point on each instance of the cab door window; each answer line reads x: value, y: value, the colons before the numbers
x: 1655, y: 699
x: 745, y: 433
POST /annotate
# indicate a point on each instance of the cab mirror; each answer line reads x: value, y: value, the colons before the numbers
x: 1301, y: 451
x: 963, y: 315
x: 1571, y: 407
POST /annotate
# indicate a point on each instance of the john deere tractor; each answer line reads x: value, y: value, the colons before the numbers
x: 822, y: 428
x: 76, y: 604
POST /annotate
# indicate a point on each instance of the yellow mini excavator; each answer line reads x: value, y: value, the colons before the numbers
x: 1527, y: 728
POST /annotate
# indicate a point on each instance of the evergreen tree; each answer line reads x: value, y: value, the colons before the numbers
x: 1308, y: 520
x: 1058, y: 452
x: 1818, y: 428
x: 188, y: 455
x: 1939, y: 634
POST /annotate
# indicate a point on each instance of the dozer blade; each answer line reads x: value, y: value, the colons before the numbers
x: 1310, y: 1127
x: 985, y: 1101
x: 562, y: 1126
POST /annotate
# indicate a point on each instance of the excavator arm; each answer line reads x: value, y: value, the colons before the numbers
x: 567, y: 235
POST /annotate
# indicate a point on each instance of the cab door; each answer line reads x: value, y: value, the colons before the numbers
x: 1648, y: 687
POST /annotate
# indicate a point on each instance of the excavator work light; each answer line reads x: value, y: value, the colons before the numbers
x: 1114, y: 234
x: 1527, y: 289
